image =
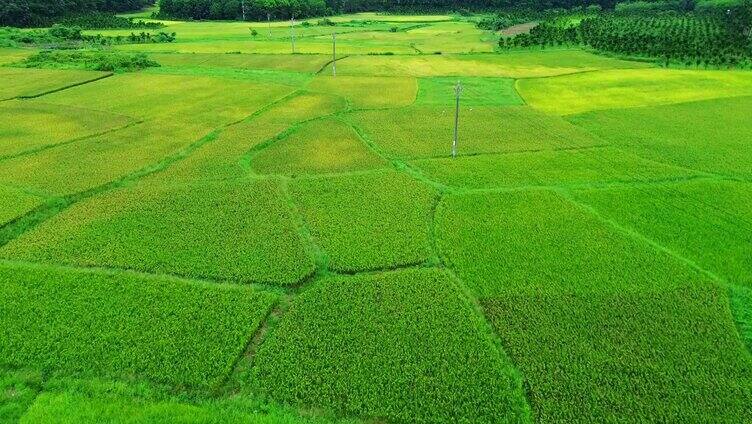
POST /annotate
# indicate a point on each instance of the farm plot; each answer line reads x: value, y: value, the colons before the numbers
x: 235, y: 231
x: 308, y: 63
x: 18, y: 389
x: 741, y: 307
x: 15, y: 202
x: 538, y: 241
x: 704, y: 221
x: 484, y: 130
x: 368, y: 93
x: 122, y: 325
x: 96, y: 161
x: 613, y: 89
x: 522, y: 64
x: 597, y: 165
x: 223, y: 157
x: 711, y: 135
x: 402, y: 346
x: 195, y: 100
x: 12, y: 54
x: 476, y: 91
x: 29, y: 126
x: 367, y: 222
x: 636, y: 355
x: 321, y: 146
x: 33, y: 82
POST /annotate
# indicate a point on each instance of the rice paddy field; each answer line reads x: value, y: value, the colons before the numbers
x: 239, y: 235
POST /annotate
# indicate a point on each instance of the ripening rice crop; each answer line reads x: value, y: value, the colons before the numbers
x: 598, y: 165
x: 519, y: 64
x: 15, y: 202
x: 27, y: 126
x: 275, y: 62
x: 708, y: 222
x: 13, y: 54
x: 194, y: 100
x: 89, y: 163
x: 32, y: 82
x: 711, y: 135
x: 428, y: 131
x: 403, y: 346
x: 644, y: 354
x: 368, y: 93
x: 233, y: 231
x: 122, y: 325
x: 366, y: 222
x: 476, y: 91
x: 321, y: 146
x: 621, y: 88
x: 223, y: 157
x: 538, y: 240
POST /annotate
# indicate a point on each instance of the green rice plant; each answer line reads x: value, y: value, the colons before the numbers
x: 428, y: 131
x: 401, y: 346
x: 587, y: 166
x: 119, y: 324
x: 368, y: 93
x: 321, y: 146
x: 307, y: 46
x: 223, y: 157
x: 613, y: 89
x: 367, y: 222
x: 741, y: 307
x: 476, y: 91
x: 98, y: 400
x: 27, y: 126
x: 247, y: 227
x: 642, y: 354
x: 516, y: 64
x: 704, y: 221
x: 717, y: 142
x: 34, y: 82
x: 12, y: 54
x: 18, y: 389
x: 15, y: 202
x: 536, y: 240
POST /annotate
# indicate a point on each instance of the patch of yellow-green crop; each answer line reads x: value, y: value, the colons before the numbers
x: 710, y: 135
x: 32, y: 82
x: 587, y: 166
x: 186, y: 334
x: 518, y: 64
x: 366, y: 222
x: 708, y: 222
x: 368, y: 92
x: 316, y: 147
x: 231, y: 231
x: 28, y: 126
x: 638, y: 355
x: 476, y: 91
x: 536, y: 240
x: 12, y: 54
x: 621, y: 88
x: 15, y: 202
x: 403, y: 346
x: 223, y: 157
x: 428, y: 131
x: 273, y: 62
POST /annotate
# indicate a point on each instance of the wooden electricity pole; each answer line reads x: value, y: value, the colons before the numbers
x: 457, y: 92
x: 292, y: 33
x: 334, y: 53
x: 269, y: 23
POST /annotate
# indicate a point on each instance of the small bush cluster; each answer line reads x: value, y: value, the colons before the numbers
x: 101, y: 20
x: 95, y: 60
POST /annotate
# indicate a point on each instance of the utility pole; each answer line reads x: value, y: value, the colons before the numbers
x: 292, y: 33
x: 242, y: 5
x: 334, y: 53
x: 457, y: 92
x: 269, y: 23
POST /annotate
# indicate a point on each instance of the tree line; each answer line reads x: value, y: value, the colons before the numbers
x: 37, y: 13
